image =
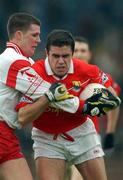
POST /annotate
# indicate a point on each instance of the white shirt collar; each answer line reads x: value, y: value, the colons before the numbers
x: 50, y: 72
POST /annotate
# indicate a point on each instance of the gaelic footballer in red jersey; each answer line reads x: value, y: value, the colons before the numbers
x: 76, y: 81
x: 61, y: 136
x: 83, y: 51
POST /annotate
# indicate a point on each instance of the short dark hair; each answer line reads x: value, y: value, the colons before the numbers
x: 20, y: 21
x: 60, y: 37
x: 82, y: 39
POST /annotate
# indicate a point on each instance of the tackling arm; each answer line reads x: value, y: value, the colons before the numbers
x: 30, y: 110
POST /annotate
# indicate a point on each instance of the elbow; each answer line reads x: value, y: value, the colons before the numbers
x: 22, y: 118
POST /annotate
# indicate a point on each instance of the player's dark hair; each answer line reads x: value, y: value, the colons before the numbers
x: 20, y: 22
x: 59, y: 37
x: 82, y: 39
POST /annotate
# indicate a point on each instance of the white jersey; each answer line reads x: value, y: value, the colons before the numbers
x: 17, y: 77
x: 11, y: 61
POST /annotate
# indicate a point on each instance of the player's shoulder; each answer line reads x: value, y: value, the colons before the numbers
x: 84, y: 66
x: 79, y: 62
x: 39, y: 61
x: 10, y: 56
x: 39, y: 65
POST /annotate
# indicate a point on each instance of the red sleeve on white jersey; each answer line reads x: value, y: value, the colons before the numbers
x: 13, y: 71
x: 21, y: 76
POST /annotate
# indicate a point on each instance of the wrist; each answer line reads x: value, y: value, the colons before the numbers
x: 44, y: 98
x: 49, y: 96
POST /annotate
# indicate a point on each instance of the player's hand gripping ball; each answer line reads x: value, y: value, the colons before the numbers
x: 98, y: 100
x: 58, y: 92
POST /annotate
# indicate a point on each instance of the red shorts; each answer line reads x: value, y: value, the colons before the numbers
x: 9, y: 144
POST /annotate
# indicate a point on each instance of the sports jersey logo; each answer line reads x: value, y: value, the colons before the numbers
x: 104, y: 78
x: 26, y: 99
x: 25, y: 71
x: 54, y: 110
x: 76, y: 86
x: 31, y: 75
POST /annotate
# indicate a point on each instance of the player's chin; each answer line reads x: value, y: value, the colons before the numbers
x: 32, y: 52
x: 60, y: 74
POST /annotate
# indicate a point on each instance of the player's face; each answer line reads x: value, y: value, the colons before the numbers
x: 30, y: 40
x: 60, y: 59
x: 82, y: 51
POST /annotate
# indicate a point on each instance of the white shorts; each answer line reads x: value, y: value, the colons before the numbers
x: 86, y: 144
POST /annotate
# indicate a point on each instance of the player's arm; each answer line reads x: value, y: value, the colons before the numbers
x: 25, y: 79
x: 109, y: 138
x: 12, y: 74
x: 28, y: 110
x: 112, y: 119
x: 35, y: 86
x: 28, y: 81
x: 112, y: 116
x: 21, y: 76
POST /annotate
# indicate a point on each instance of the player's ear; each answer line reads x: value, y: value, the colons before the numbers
x: 46, y: 52
x: 19, y: 35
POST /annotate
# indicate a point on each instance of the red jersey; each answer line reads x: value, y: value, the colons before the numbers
x: 80, y: 74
